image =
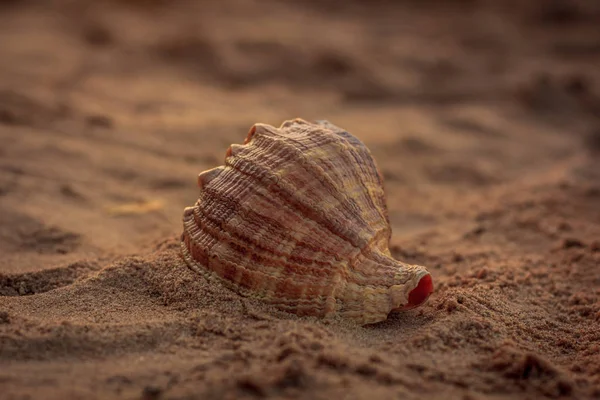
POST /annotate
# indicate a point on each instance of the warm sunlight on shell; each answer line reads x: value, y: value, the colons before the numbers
x: 297, y: 218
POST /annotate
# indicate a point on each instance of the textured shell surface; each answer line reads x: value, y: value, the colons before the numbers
x: 297, y: 218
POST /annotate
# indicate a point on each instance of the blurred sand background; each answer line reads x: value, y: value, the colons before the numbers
x: 484, y: 117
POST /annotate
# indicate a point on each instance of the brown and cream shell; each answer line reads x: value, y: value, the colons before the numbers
x: 297, y: 217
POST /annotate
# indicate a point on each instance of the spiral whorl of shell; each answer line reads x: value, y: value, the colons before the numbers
x: 297, y: 217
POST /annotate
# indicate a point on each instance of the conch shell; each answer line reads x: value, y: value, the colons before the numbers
x: 297, y: 218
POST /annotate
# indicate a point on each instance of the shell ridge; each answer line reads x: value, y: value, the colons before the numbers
x: 350, y: 206
x: 361, y: 157
x: 311, y: 303
x: 298, y: 303
x: 238, y: 240
x: 248, y: 211
x: 304, y: 209
x: 367, y: 197
x: 315, y: 170
x: 382, y: 211
x: 381, y: 207
x: 361, y: 150
x: 384, y: 268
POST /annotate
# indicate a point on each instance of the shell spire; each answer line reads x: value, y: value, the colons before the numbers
x: 297, y: 217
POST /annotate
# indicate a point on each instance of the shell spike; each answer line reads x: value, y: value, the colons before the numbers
x: 233, y: 150
x: 257, y: 129
x: 295, y: 121
x: 207, y: 176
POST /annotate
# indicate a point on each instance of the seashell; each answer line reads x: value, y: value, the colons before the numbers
x: 297, y: 218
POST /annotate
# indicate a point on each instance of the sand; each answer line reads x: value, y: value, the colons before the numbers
x: 484, y: 117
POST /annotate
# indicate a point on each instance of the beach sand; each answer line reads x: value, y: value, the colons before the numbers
x: 483, y: 116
